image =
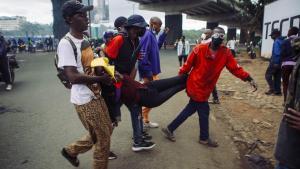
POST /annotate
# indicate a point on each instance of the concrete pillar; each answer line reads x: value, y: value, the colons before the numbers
x: 231, y: 33
x: 211, y: 25
x: 174, y: 22
x: 243, y: 35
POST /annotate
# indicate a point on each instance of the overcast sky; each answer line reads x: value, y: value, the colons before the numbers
x: 41, y: 11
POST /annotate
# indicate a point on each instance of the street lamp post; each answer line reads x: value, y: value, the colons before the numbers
x: 90, y: 22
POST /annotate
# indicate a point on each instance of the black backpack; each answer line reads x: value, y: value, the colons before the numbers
x: 60, y: 72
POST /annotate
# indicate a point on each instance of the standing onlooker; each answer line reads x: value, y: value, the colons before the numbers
x: 231, y: 45
x: 273, y: 73
x: 149, y: 61
x: 4, y: 63
x: 206, y: 36
x: 288, y: 60
x: 183, y: 49
x: 204, y: 66
x: 75, y: 56
x: 287, y: 150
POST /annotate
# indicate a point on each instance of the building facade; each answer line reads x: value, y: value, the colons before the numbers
x: 11, y: 23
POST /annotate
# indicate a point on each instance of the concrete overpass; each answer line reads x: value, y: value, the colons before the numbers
x: 215, y: 12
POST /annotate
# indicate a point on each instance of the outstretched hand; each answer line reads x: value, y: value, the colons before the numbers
x: 254, y: 85
x: 293, y: 118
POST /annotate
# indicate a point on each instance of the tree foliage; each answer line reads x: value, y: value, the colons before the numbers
x: 252, y: 14
x: 31, y: 29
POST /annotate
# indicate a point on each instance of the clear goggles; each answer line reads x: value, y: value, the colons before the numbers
x: 218, y: 35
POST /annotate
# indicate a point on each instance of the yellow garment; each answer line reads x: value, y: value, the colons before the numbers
x: 103, y: 61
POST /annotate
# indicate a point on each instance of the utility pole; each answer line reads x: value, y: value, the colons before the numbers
x: 90, y: 22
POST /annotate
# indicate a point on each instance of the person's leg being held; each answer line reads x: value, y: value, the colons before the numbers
x: 157, y: 98
x: 164, y: 84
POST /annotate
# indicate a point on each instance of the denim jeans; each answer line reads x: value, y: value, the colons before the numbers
x: 273, y: 77
x: 215, y: 93
x: 281, y: 166
x: 202, y: 109
x: 137, y: 122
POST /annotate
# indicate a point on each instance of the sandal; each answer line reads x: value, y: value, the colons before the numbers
x: 209, y: 143
x: 73, y: 160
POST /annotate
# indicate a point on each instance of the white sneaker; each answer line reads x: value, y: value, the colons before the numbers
x: 8, y: 87
x: 151, y: 125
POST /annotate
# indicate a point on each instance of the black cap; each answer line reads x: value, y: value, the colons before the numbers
x: 136, y: 20
x: 275, y: 32
x: 120, y: 21
x: 72, y: 7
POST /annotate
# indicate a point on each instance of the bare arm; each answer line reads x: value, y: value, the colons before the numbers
x: 77, y: 78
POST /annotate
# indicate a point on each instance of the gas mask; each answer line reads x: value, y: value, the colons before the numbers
x: 217, y: 39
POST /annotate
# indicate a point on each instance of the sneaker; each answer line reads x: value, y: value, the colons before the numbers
x: 269, y: 92
x: 112, y: 156
x: 142, y: 146
x: 9, y: 87
x: 277, y: 94
x: 73, y: 160
x: 151, y: 125
x: 146, y: 136
x: 216, y: 101
x: 169, y: 135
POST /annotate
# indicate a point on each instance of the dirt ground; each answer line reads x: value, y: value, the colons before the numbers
x: 253, y: 118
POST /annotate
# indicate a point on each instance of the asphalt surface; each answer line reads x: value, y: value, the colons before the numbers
x: 39, y: 120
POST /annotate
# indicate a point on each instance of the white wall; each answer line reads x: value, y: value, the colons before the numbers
x: 278, y: 15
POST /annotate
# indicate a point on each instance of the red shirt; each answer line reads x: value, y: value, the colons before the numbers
x: 112, y: 47
x: 205, y: 69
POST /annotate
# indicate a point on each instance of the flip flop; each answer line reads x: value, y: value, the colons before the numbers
x: 73, y: 160
x: 209, y: 143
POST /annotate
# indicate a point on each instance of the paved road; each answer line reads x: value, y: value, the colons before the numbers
x: 40, y: 120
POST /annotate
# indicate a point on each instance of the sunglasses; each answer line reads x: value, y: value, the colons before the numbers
x: 219, y: 35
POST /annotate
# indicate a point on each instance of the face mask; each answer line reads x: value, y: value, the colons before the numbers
x: 216, y: 41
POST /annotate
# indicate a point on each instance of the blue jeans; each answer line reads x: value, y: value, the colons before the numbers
x: 202, y: 109
x: 273, y: 77
x: 281, y: 166
x: 137, y: 122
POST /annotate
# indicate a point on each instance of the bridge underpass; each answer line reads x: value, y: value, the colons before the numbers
x: 215, y: 12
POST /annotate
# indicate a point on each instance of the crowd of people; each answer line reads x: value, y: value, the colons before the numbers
x: 135, y: 50
x: 98, y: 93
x: 31, y: 44
x: 284, y: 67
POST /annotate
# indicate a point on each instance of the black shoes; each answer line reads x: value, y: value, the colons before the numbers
x: 168, y: 134
x: 112, y: 156
x: 73, y: 160
x: 269, y: 92
x: 272, y: 92
x: 144, y: 145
